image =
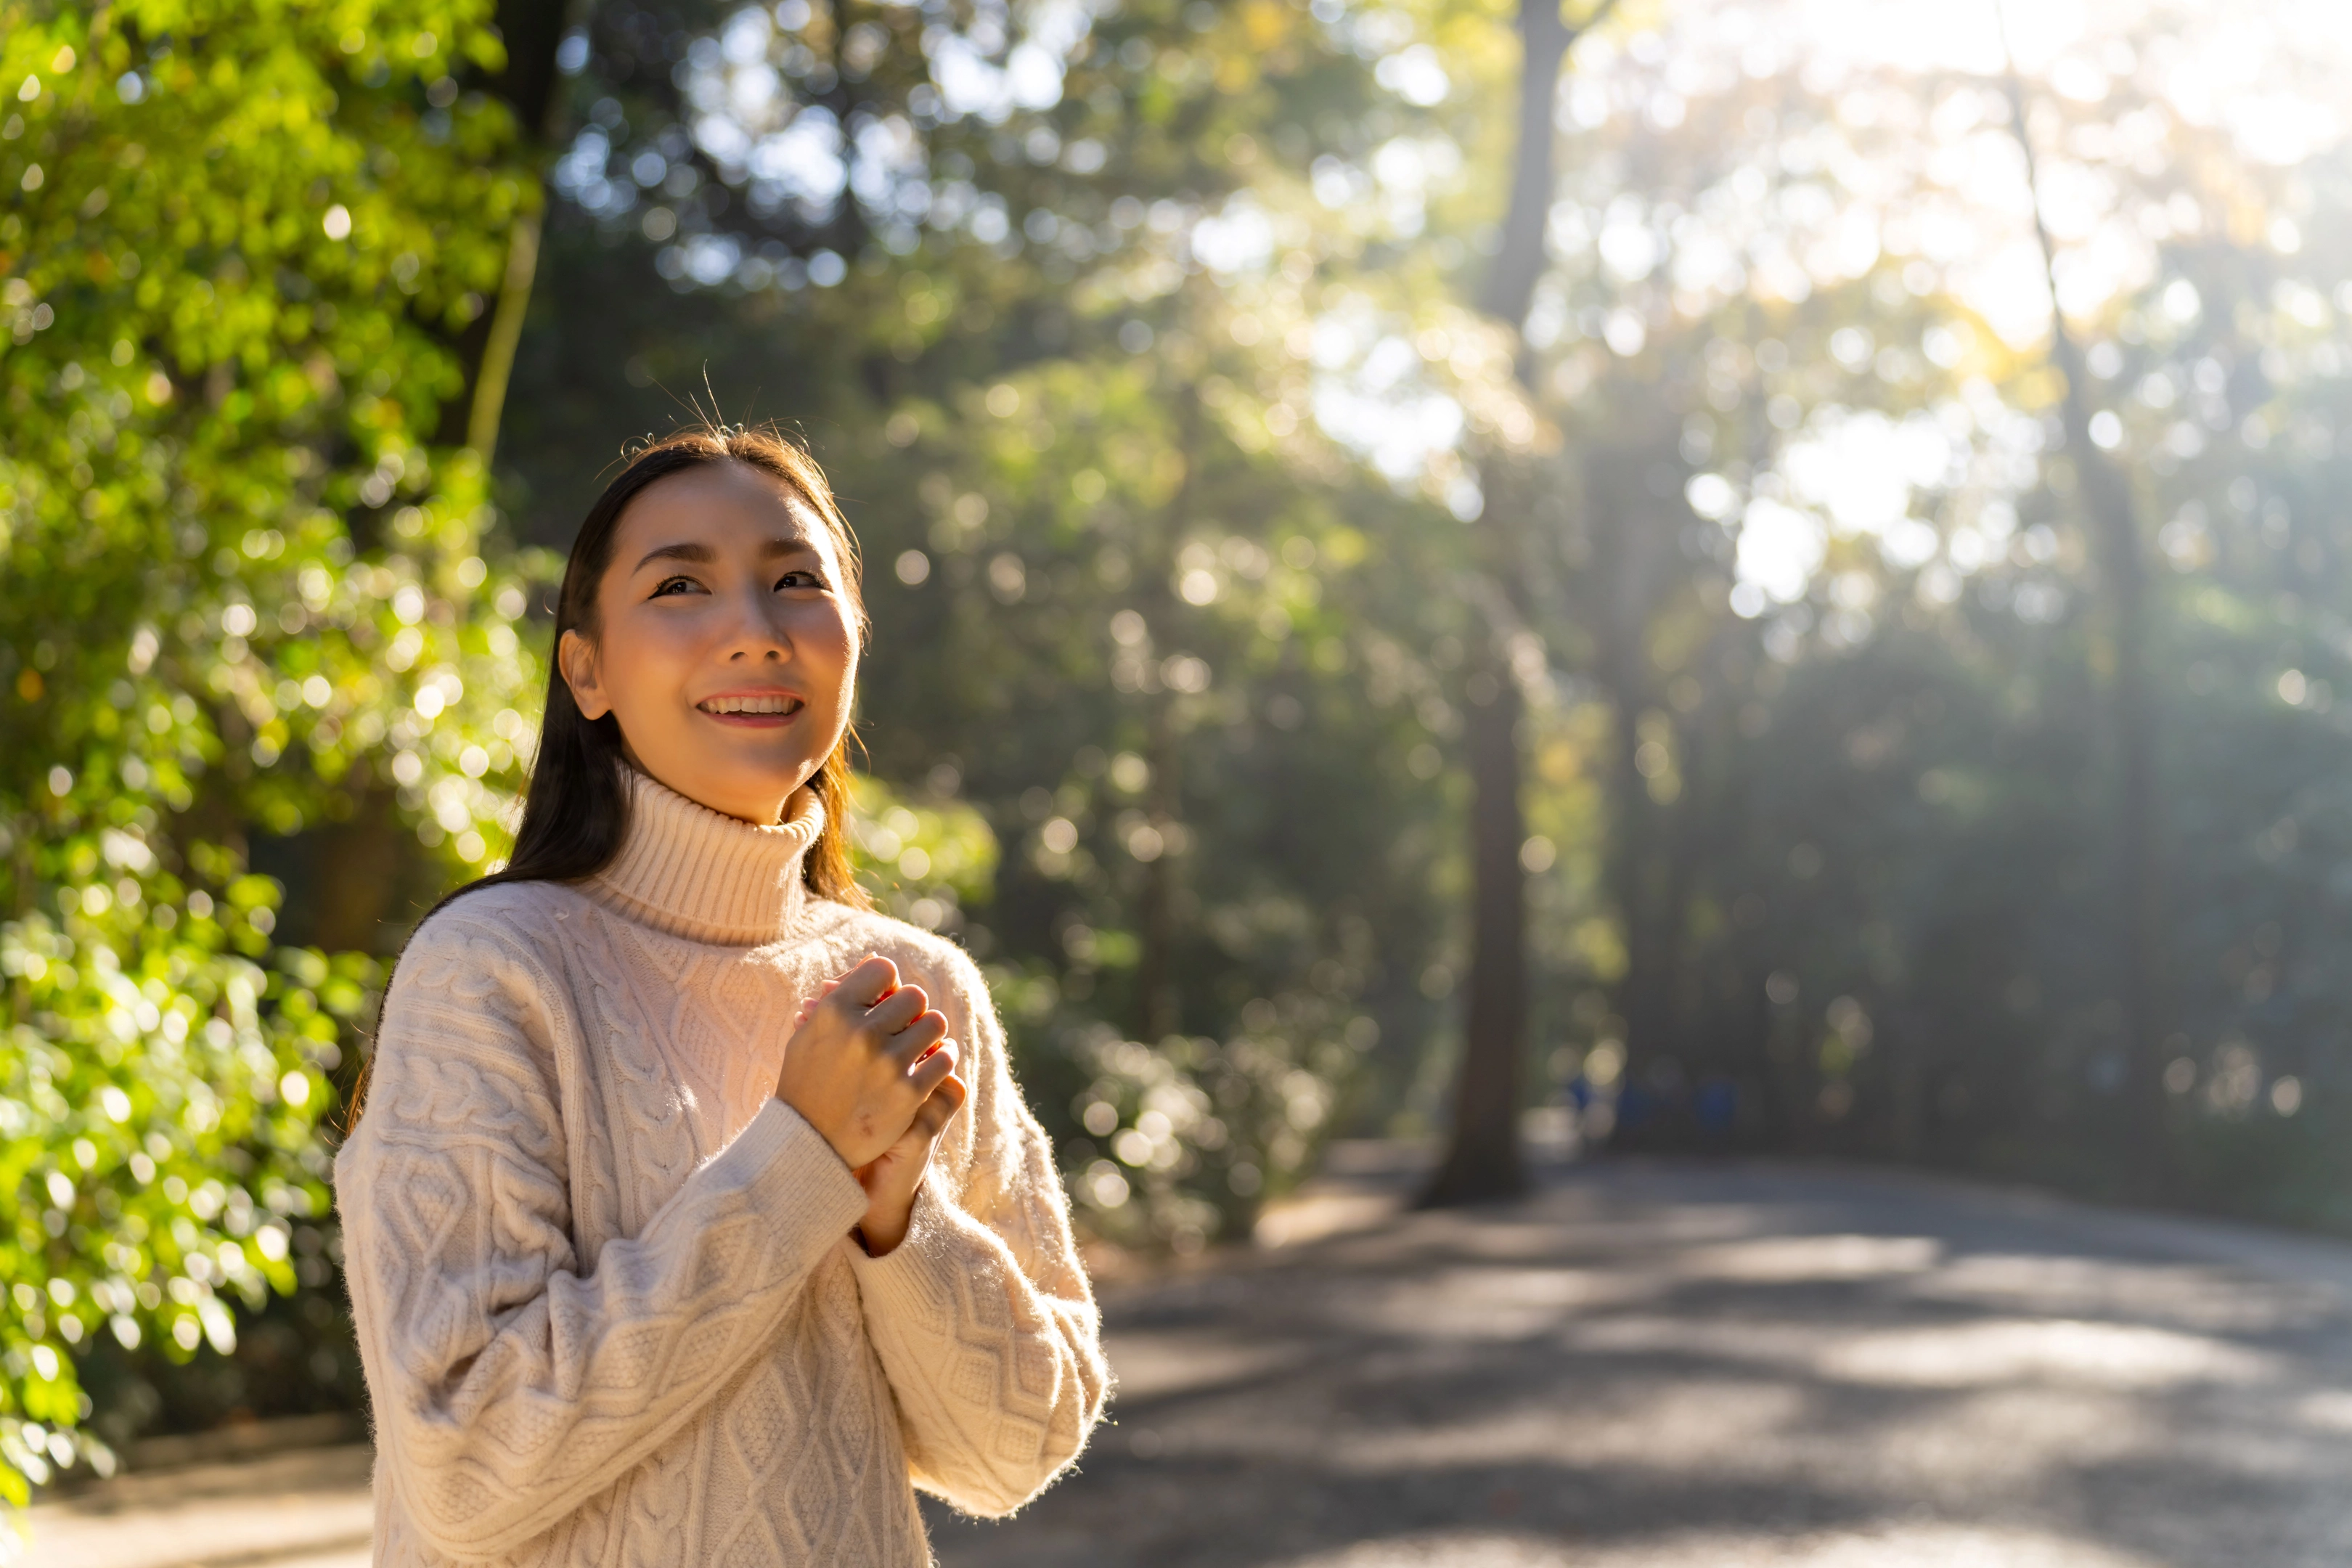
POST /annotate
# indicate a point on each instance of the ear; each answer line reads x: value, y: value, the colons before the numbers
x: 575, y: 656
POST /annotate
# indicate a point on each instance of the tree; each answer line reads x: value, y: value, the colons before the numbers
x: 1885, y: 908
x: 1482, y: 1160
x: 2122, y: 553
x: 1129, y: 598
x: 351, y: 870
x: 243, y: 589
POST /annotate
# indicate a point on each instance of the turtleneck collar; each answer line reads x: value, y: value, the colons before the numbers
x: 701, y: 874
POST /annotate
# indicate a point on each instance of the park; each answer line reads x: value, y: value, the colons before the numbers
x: 1631, y: 705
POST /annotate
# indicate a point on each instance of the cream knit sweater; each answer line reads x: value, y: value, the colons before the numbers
x: 607, y: 1301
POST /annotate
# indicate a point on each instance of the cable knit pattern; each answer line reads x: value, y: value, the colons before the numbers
x: 606, y: 1298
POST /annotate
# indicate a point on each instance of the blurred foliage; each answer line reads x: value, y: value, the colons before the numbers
x: 922, y: 859
x: 1822, y: 536
x: 1134, y: 611
x: 1133, y: 336
x: 242, y: 596
x: 1147, y: 380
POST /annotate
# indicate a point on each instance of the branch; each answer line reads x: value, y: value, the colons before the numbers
x: 1600, y: 15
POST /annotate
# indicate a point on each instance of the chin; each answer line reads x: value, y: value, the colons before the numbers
x: 754, y: 783
x: 733, y: 785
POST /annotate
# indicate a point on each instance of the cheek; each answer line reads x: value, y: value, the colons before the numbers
x: 645, y: 662
x: 829, y: 646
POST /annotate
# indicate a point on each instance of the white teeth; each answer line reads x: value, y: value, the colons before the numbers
x: 779, y: 704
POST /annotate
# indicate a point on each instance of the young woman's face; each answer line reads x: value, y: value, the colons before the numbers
x: 727, y: 645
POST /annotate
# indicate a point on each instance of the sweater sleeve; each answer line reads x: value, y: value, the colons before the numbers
x: 982, y: 1316
x: 511, y: 1379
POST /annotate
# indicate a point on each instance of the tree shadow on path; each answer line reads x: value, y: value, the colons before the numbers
x: 1649, y: 1365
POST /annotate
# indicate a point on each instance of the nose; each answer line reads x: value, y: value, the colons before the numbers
x: 758, y: 634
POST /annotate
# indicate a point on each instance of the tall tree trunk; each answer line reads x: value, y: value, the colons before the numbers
x: 360, y: 865
x: 1155, y: 980
x: 2121, y: 554
x: 1159, y: 1011
x: 358, y: 861
x: 1632, y: 862
x: 1482, y: 1160
x: 532, y: 29
x: 1649, y: 867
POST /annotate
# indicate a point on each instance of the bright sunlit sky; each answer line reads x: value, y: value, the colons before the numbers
x: 1909, y: 165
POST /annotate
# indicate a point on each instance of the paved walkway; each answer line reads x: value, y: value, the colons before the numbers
x: 1726, y: 1367
x: 305, y: 1509
x: 1647, y: 1365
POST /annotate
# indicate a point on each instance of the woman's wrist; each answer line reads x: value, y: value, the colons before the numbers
x: 886, y: 1224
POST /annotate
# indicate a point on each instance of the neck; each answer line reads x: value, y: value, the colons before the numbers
x: 702, y: 874
x: 768, y: 815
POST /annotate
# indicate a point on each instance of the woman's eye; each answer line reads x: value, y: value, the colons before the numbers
x: 800, y: 580
x: 675, y: 586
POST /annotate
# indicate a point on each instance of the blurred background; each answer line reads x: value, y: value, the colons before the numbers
x: 1442, y: 571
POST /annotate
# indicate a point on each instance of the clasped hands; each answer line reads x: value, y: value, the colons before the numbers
x: 870, y: 1067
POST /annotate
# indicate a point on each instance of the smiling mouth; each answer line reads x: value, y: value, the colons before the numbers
x: 775, y: 706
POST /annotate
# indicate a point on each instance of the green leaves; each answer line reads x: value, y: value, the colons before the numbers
x: 921, y: 859
x: 242, y: 590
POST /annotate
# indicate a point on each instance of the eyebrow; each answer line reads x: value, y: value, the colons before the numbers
x: 702, y: 555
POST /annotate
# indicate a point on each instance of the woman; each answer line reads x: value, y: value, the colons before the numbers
x: 637, y: 1277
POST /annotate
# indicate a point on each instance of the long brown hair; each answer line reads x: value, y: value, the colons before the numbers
x: 575, y: 811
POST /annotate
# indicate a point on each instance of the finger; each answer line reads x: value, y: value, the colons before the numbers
x: 950, y: 1096
x: 933, y: 1070
x: 898, y: 1010
x: 937, y: 1111
x: 910, y: 1044
x: 868, y: 983
x: 808, y: 1008
x: 930, y: 1116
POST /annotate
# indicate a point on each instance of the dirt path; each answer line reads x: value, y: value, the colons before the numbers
x: 1678, y: 1366
x: 1648, y: 1365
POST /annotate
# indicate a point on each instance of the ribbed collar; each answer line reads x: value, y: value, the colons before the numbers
x: 701, y: 874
